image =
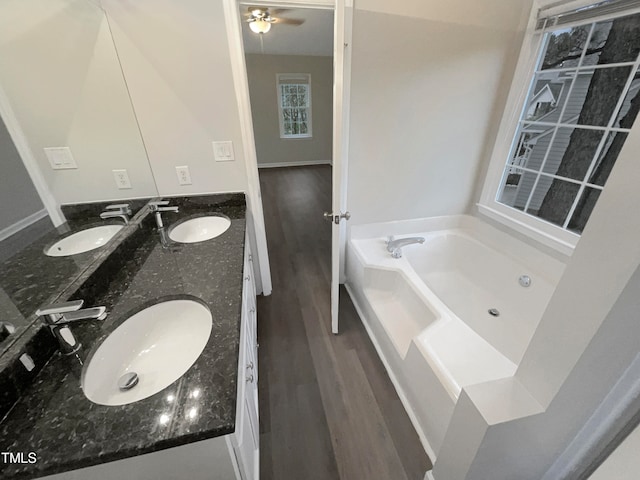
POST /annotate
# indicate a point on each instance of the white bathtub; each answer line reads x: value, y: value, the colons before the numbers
x: 428, y: 312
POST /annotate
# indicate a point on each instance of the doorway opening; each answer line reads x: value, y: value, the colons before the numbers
x: 290, y: 75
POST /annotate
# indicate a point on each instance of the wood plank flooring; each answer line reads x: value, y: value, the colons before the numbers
x: 328, y: 410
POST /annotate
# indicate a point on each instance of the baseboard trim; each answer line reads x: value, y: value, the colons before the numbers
x: 294, y: 164
x: 394, y: 380
x: 22, y: 224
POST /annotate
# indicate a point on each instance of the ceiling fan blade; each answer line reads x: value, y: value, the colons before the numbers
x: 288, y: 21
x: 278, y: 11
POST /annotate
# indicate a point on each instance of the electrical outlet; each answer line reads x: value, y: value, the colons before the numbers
x: 122, y: 179
x: 223, y: 151
x: 184, y: 177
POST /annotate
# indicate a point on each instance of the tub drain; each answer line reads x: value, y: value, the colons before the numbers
x: 494, y: 312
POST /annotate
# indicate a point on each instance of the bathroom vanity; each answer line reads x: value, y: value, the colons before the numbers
x: 204, y: 424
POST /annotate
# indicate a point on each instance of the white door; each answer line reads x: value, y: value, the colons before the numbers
x: 339, y: 215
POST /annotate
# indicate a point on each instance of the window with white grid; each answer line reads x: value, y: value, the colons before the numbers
x: 294, y: 105
x: 583, y: 99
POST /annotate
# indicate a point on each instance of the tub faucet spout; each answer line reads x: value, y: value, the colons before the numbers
x: 394, y: 247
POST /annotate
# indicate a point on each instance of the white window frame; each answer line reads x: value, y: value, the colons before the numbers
x: 290, y: 78
x: 536, y: 228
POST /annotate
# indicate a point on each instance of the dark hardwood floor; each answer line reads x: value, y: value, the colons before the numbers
x: 327, y: 407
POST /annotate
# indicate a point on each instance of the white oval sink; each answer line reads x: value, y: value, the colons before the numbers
x: 199, y: 229
x: 83, y: 241
x: 159, y: 344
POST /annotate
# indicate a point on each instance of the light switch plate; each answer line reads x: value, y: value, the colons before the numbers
x: 122, y: 179
x: 184, y: 176
x: 60, y: 158
x: 223, y: 151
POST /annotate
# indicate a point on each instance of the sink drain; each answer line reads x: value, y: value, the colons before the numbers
x: 494, y: 312
x: 128, y: 381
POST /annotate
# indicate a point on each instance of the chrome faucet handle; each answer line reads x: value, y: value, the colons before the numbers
x: 154, y: 205
x: 52, y: 314
x: 119, y: 207
x: 390, y: 238
x: 162, y: 206
x: 58, y: 308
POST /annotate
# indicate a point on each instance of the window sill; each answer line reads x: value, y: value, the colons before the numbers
x: 537, y: 230
x: 294, y: 137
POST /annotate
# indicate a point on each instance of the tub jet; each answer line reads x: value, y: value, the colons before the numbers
x: 524, y: 280
x: 494, y: 312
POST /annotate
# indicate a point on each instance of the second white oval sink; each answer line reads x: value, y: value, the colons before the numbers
x: 83, y: 241
x: 158, y: 344
x: 199, y: 229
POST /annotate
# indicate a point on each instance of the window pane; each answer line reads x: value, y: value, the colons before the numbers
x: 583, y: 209
x: 303, y: 128
x: 288, y: 129
x: 564, y: 47
x: 286, y: 100
x: 597, y: 42
x: 572, y: 152
x: 630, y: 105
x: 607, y: 158
x: 302, y: 94
x: 532, y: 146
x: 516, y: 187
x: 547, y: 96
x: 601, y: 49
x: 595, y: 94
x: 552, y: 199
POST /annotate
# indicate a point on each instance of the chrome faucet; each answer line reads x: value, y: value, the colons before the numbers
x: 122, y: 210
x: 58, y: 316
x: 394, y: 247
x: 161, y: 206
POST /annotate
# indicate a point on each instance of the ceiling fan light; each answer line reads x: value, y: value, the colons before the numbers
x: 260, y: 26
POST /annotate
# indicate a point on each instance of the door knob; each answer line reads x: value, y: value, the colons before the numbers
x: 336, y: 218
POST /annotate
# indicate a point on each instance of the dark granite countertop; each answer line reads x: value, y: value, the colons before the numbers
x: 31, y: 279
x: 55, y: 420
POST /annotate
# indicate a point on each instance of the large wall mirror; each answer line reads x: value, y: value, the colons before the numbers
x: 67, y: 119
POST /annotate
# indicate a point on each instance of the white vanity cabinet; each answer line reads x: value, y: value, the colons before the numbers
x: 246, y: 439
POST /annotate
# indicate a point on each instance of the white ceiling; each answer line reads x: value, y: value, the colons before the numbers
x: 313, y: 37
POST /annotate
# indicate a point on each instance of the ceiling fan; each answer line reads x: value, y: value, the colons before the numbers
x: 260, y: 19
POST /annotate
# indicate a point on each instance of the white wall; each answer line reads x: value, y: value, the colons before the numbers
x: 175, y: 56
x: 262, y: 71
x: 429, y: 80
x: 18, y: 196
x: 60, y: 73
